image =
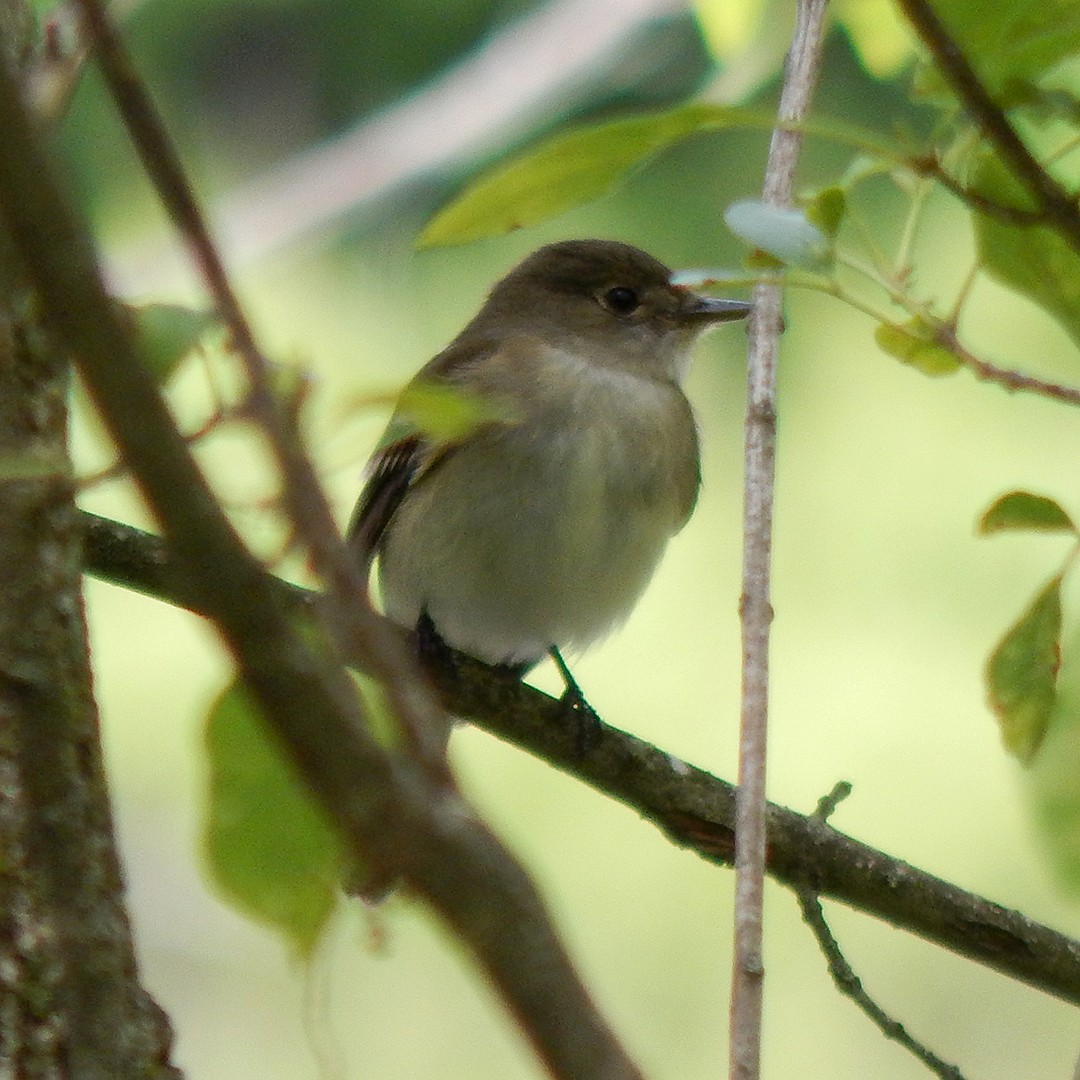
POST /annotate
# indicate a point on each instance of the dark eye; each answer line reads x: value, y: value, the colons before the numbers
x: 622, y: 300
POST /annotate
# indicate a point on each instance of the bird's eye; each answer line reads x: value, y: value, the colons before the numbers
x: 622, y: 300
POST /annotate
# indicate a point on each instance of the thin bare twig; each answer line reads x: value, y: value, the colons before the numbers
x: 1005, y: 377
x: 942, y: 330
x: 850, y: 985
x: 930, y: 167
x: 765, y: 327
x: 843, y: 975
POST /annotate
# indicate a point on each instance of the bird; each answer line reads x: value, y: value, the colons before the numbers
x: 531, y: 522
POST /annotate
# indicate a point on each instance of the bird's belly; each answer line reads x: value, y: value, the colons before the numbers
x: 560, y: 560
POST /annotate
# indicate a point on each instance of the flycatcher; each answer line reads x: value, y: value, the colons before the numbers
x: 537, y: 528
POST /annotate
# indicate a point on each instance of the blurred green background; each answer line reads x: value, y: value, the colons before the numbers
x: 886, y: 602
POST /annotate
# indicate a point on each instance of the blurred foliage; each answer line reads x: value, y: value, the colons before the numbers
x: 268, y: 846
x: 1052, y: 781
x: 168, y: 333
x: 259, y: 79
x: 880, y: 36
x: 729, y: 28
x: 1012, y: 44
x: 1037, y: 262
x: 1022, y: 674
x: 247, y: 85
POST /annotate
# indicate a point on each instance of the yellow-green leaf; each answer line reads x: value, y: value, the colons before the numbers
x: 269, y: 848
x: 1024, y: 510
x: 446, y: 413
x: 565, y: 171
x: 574, y: 167
x: 914, y: 344
x: 1021, y: 674
x: 826, y: 209
x: 166, y: 333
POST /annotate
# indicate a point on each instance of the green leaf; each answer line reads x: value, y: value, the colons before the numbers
x: 1051, y: 782
x: 571, y: 168
x: 865, y: 167
x: 1021, y: 674
x: 826, y: 210
x: 1035, y: 262
x: 1023, y: 510
x: 565, y: 171
x: 269, y: 848
x: 880, y: 37
x: 1012, y: 41
x: 446, y: 413
x: 166, y: 333
x: 1044, y: 104
x: 784, y: 233
x: 575, y: 167
x: 914, y: 344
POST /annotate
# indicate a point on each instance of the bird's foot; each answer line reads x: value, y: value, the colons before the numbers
x: 432, y: 651
x: 589, y: 726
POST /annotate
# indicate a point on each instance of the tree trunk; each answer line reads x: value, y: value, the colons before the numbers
x: 70, y: 1001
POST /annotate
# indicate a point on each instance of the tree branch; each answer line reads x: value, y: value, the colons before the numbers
x: 70, y: 999
x: 1058, y: 205
x: 850, y: 985
x: 755, y: 608
x: 392, y: 813
x: 843, y: 975
x: 695, y: 809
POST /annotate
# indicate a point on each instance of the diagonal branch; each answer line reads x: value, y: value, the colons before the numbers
x: 850, y: 985
x: 348, y: 609
x: 695, y: 809
x: 1057, y: 204
x: 391, y: 812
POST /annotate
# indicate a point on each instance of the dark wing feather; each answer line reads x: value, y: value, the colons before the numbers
x: 394, y: 468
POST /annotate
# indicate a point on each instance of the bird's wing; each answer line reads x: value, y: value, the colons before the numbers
x: 391, y: 471
x: 437, y: 412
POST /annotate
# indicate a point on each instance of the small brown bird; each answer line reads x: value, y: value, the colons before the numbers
x: 538, y: 526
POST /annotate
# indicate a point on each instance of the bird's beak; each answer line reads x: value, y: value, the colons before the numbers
x: 711, y: 309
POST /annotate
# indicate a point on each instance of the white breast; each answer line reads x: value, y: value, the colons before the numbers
x: 544, y: 532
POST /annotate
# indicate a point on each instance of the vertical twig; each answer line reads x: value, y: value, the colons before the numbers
x: 755, y: 606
